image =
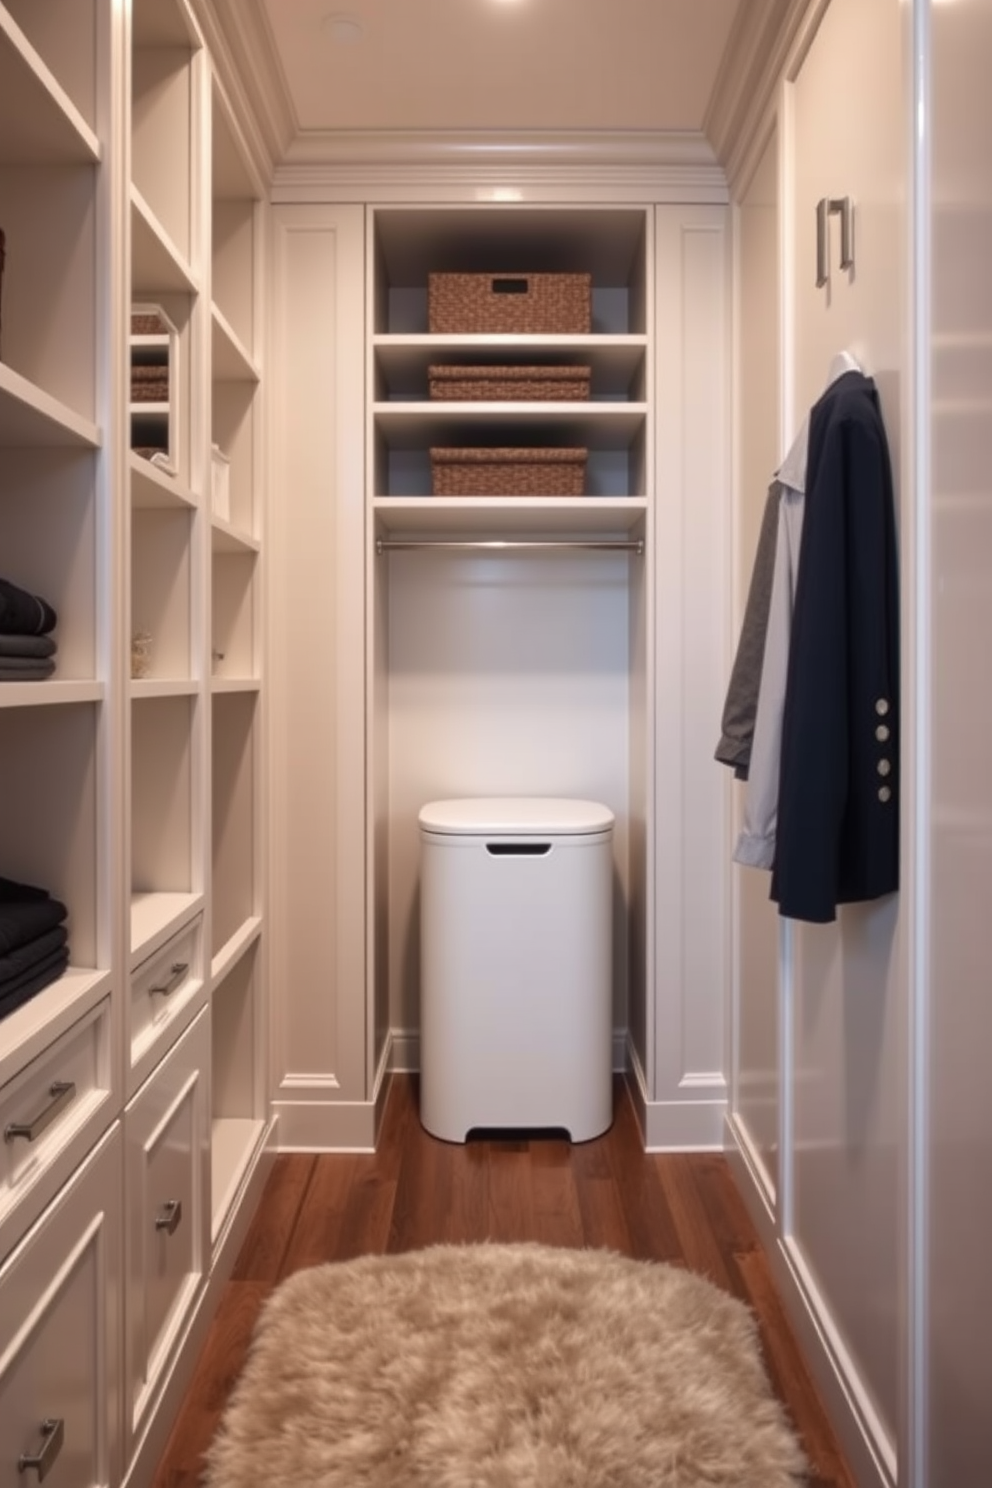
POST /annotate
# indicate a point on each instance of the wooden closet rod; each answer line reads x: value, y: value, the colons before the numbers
x: 392, y: 544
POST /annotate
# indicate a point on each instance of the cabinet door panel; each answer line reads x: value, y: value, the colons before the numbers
x: 59, y: 1309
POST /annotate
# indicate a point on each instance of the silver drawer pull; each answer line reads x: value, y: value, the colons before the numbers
x: 62, y: 1092
x: 169, y: 1216
x: 44, y: 1461
x: 177, y: 971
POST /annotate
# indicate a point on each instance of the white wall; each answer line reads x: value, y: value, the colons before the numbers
x: 957, y: 550
x: 835, y: 1215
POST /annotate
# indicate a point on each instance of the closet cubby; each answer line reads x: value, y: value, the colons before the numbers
x: 48, y: 542
x: 56, y: 39
x: 233, y: 598
x: 163, y: 791
x: 163, y: 115
x: 235, y: 431
x: 161, y: 583
x: 407, y: 245
x: 235, y: 865
x: 237, y: 1124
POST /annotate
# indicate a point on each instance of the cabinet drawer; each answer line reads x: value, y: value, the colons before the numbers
x: 59, y: 1354
x: 162, y: 988
x: 167, y: 1176
x: 51, y: 1112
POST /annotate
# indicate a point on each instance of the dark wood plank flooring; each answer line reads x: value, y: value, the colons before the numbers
x: 416, y: 1191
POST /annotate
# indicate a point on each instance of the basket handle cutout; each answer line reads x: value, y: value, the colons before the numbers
x: 518, y: 849
x: 511, y: 286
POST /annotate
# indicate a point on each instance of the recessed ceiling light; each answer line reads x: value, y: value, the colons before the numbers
x: 342, y: 28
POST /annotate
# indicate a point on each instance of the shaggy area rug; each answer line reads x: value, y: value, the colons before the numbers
x: 503, y: 1366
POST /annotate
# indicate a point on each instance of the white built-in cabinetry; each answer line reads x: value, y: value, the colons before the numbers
x: 132, y: 1090
x: 555, y: 664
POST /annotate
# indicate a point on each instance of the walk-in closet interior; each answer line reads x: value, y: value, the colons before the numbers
x: 244, y: 640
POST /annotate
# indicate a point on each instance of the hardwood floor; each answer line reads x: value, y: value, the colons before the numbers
x: 416, y: 1191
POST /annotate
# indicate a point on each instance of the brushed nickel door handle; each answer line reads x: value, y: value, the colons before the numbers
x: 169, y: 1216
x: 53, y: 1432
x: 62, y: 1092
x: 177, y: 971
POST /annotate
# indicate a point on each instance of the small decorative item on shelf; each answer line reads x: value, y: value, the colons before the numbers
x: 220, y: 483
x: 508, y: 472
x: 521, y: 304
x: 154, y: 392
x: 216, y: 657
x: 509, y: 384
x: 141, y: 653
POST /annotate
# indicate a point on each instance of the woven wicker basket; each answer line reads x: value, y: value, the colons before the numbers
x: 524, y: 304
x: 145, y: 323
x: 508, y: 472
x: 503, y: 384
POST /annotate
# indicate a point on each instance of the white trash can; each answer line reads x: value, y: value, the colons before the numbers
x: 516, y: 966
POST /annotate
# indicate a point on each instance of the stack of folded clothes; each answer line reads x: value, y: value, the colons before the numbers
x: 34, y: 949
x: 27, y: 648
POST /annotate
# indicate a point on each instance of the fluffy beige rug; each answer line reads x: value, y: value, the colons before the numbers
x: 503, y: 1366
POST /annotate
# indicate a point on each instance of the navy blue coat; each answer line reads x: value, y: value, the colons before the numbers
x: 837, y: 838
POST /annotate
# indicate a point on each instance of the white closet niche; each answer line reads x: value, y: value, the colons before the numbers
x: 608, y: 244
x: 162, y: 121
x: 521, y: 670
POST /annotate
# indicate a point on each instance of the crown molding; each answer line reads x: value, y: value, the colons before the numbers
x: 499, y: 167
x: 760, y: 50
x: 240, y: 42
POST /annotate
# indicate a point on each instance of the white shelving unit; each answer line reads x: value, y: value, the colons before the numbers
x: 134, y: 795
x: 493, y: 633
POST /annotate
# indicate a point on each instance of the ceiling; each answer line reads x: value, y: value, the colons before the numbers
x: 494, y: 65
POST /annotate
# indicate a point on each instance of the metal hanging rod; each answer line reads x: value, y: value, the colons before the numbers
x: 394, y: 544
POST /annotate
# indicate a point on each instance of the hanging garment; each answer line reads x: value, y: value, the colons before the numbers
x: 837, y: 836
x: 811, y: 811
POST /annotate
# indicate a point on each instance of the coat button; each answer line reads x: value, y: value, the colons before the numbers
x: 884, y: 793
x: 884, y: 766
x: 882, y: 707
x: 882, y: 733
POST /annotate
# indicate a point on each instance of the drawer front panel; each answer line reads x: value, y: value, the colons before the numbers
x: 50, y: 1114
x: 168, y: 1136
x: 162, y: 988
x: 59, y: 1307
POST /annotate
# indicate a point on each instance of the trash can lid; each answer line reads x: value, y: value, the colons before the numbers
x: 515, y: 816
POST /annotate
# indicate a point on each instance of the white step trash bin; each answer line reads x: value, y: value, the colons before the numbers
x: 516, y: 966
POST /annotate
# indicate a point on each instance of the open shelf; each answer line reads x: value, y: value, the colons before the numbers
x: 40, y: 122
x: 553, y: 517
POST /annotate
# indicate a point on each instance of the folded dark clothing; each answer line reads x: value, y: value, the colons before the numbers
x: 26, y: 913
x: 22, y: 613
x: 27, y: 645
x: 13, y: 891
x: 33, y: 670
x: 27, y: 957
x: 15, y: 664
x: 42, y: 977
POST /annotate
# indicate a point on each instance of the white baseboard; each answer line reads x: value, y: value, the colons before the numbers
x: 865, y: 1442
x: 677, y: 1125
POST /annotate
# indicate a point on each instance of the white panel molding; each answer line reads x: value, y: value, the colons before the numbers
x: 768, y: 39
x: 240, y: 43
x: 869, y: 1453
x: 398, y: 174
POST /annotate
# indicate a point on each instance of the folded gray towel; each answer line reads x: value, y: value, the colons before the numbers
x: 33, y: 669
x: 27, y: 645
